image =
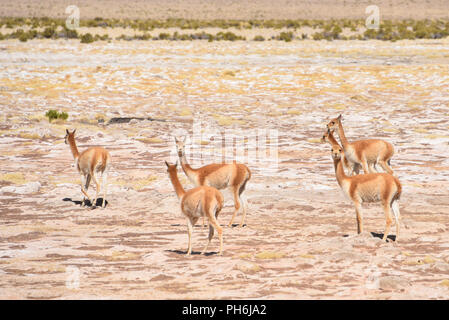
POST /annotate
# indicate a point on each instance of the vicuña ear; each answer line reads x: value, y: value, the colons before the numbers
x: 73, y: 131
x: 166, y: 163
x: 339, y: 117
x: 183, y: 138
x: 176, y: 165
x: 67, y: 131
x: 176, y: 140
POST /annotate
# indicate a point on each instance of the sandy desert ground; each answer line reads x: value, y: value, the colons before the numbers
x: 227, y: 9
x: 300, y: 240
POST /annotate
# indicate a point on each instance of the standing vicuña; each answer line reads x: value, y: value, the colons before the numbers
x: 220, y: 176
x: 197, y: 202
x: 366, y: 152
x: 372, y: 187
x: 351, y: 167
x: 89, y: 163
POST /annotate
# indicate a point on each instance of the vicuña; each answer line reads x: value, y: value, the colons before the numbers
x: 367, y: 153
x: 90, y: 163
x: 221, y: 176
x: 372, y: 187
x: 198, y: 202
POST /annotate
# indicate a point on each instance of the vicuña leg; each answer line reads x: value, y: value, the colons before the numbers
x: 211, y: 235
x: 397, y: 216
x: 388, y: 220
x: 97, y: 184
x: 213, y: 221
x: 385, y: 166
x: 358, y: 211
x: 235, y: 191
x: 105, y: 184
x: 365, y: 166
x: 190, y: 230
x: 85, y: 181
x: 245, y: 208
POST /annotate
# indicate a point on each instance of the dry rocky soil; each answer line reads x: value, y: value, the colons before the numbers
x: 300, y: 241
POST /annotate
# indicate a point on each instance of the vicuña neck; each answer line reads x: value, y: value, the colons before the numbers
x: 341, y: 134
x: 176, y: 184
x: 339, y: 172
x: 188, y: 170
x: 332, y: 140
x: 73, y: 148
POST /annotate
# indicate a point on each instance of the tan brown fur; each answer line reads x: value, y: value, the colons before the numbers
x: 220, y: 176
x: 352, y: 168
x: 367, y: 153
x: 372, y: 187
x: 89, y: 163
x: 202, y: 201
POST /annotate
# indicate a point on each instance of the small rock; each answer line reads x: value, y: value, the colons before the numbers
x: 441, y: 266
x: 393, y: 283
x: 30, y: 187
x: 348, y: 256
x: 247, y: 267
x: 427, y: 239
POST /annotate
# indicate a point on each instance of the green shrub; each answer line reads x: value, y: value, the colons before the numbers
x: 164, y: 36
x: 23, y: 37
x: 146, y: 36
x: 286, y: 36
x: 336, y: 31
x: 104, y: 37
x: 48, y: 32
x: 70, y: 34
x: 63, y: 115
x: 228, y: 36
x: 51, y: 115
x: 370, y: 34
x: 259, y: 38
x: 87, y: 38
x: 54, y: 114
x: 318, y: 36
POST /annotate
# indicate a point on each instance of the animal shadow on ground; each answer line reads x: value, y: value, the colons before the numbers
x: 88, y: 203
x: 201, y: 226
x: 377, y: 235
x: 237, y: 224
x: 380, y: 235
x: 193, y: 252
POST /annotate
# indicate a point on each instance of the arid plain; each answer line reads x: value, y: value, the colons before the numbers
x: 300, y: 240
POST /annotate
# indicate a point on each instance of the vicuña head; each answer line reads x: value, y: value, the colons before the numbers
x: 180, y: 146
x: 325, y: 138
x: 198, y: 202
x: 171, y: 168
x: 333, y: 123
x: 336, y: 152
x: 69, y: 135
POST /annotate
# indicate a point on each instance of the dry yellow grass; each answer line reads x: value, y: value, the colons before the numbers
x: 13, y: 177
x: 270, y: 255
